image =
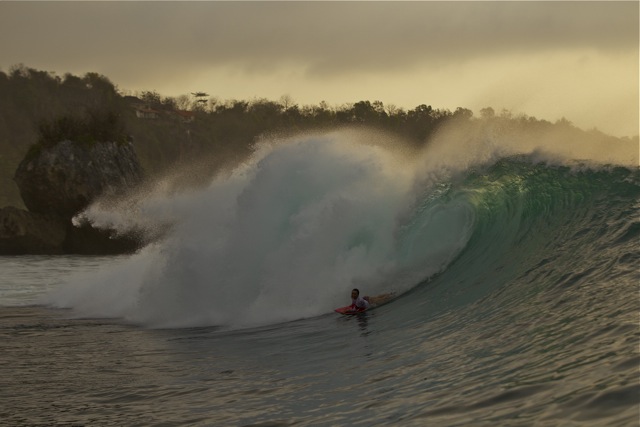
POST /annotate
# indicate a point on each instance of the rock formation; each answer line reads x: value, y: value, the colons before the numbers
x: 58, y: 182
x: 23, y: 232
x: 63, y: 180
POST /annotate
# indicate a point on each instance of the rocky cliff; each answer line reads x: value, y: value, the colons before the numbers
x: 23, y: 232
x: 64, y: 179
x: 56, y: 183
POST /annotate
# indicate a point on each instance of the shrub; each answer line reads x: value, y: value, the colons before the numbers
x: 92, y: 127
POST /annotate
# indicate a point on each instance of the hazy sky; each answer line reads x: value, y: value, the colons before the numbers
x: 546, y: 59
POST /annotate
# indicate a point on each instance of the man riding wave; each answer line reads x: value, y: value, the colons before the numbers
x: 360, y: 304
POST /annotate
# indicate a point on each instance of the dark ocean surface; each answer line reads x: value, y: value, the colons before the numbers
x: 517, y: 304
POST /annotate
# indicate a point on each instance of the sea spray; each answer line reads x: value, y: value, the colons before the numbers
x: 285, y: 236
x: 462, y: 144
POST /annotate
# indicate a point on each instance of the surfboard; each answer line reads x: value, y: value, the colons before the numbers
x: 348, y: 310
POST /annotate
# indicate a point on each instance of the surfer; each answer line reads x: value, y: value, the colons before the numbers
x: 359, y: 303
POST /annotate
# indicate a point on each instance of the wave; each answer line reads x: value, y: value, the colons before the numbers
x: 288, y: 234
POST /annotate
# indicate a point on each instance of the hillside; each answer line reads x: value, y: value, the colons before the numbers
x: 200, y: 130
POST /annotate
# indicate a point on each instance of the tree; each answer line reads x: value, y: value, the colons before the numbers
x: 421, y: 111
x: 563, y: 122
x: 286, y: 101
x: 487, y: 113
x: 183, y: 102
x: 200, y: 100
x: 463, y: 113
x: 151, y: 98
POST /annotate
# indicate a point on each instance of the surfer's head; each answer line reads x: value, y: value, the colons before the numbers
x: 354, y: 293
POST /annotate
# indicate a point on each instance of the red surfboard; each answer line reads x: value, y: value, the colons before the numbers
x: 348, y: 310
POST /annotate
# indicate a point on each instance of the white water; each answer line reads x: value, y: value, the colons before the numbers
x: 284, y: 237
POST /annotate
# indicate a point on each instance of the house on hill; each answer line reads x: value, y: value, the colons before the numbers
x: 185, y: 116
x: 145, y: 112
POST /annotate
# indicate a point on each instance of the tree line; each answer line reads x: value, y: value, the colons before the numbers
x: 40, y: 106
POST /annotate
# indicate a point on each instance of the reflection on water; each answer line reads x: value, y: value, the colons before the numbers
x: 25, y: 278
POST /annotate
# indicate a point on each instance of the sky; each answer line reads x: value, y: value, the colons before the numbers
x: 551, y: 59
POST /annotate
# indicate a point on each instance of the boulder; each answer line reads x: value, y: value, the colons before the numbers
x: 23, y: 232
x: 64, y: 179
x: 56, y: 183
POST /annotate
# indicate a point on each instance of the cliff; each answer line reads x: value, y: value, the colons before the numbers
x: 64, y: 179
x: 56, y: 183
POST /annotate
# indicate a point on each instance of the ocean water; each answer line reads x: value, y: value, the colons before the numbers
x: 515, y: 271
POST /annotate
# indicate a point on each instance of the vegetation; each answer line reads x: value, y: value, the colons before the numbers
x: 42, y: 107
x: 90, y: 128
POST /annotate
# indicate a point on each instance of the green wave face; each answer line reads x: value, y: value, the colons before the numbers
x: 538, y: 227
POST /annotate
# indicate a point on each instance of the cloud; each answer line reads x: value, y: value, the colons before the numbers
x: 448, y: 54
x: 328, y: 37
